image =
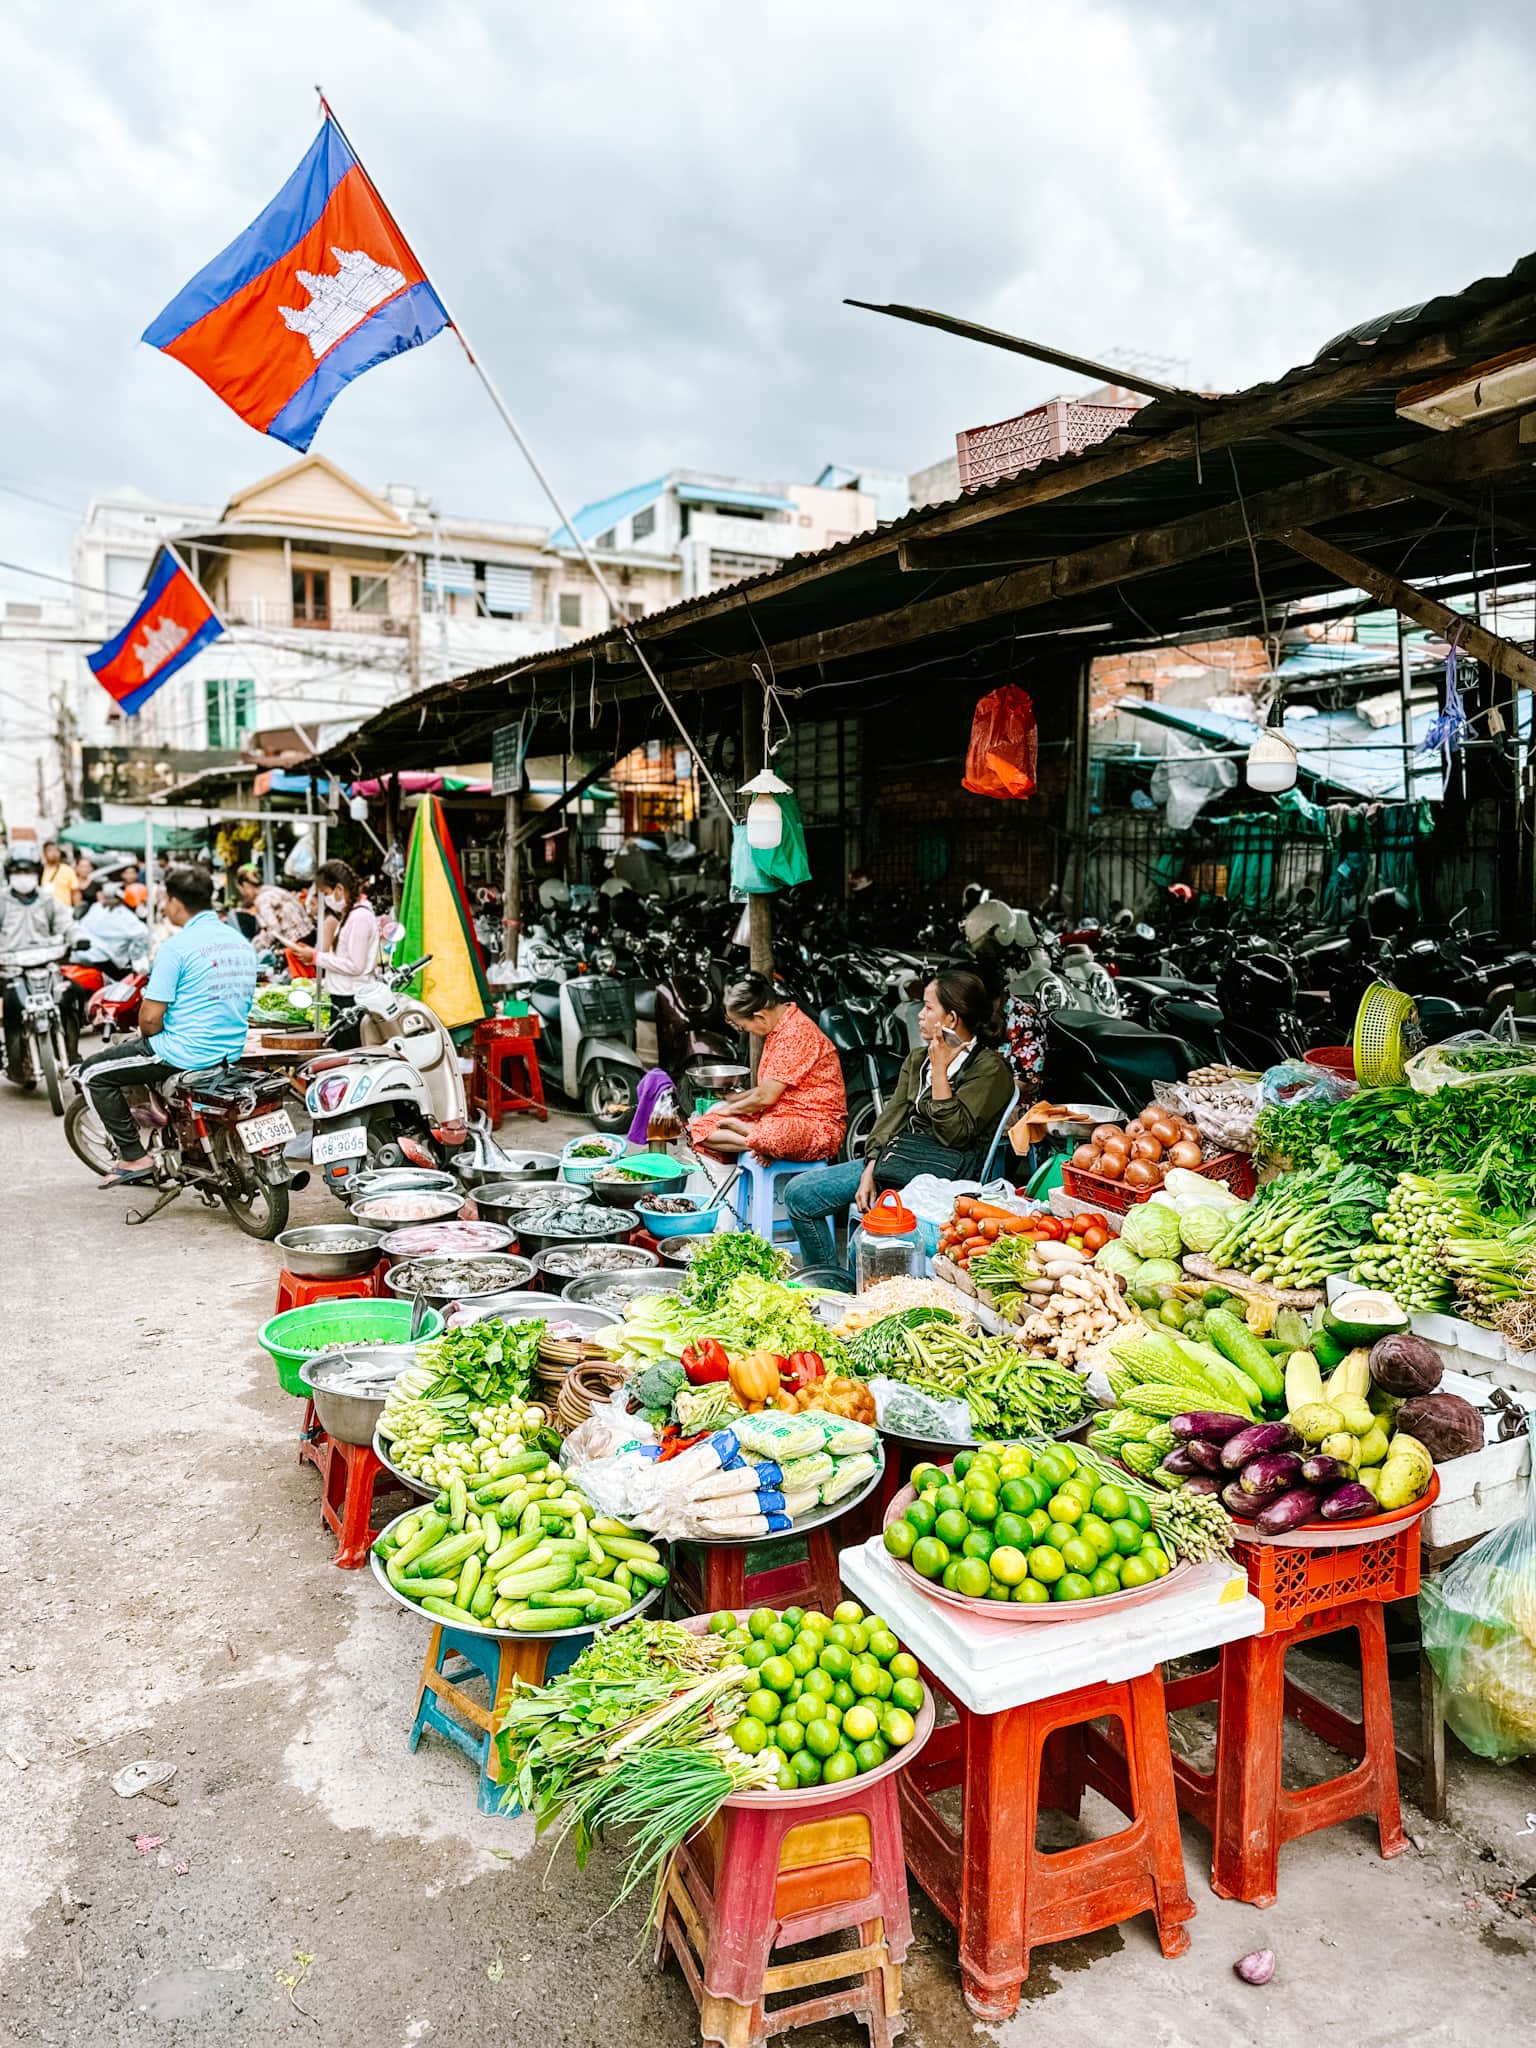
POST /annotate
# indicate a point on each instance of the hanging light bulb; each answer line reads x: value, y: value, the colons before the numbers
x: 1271, y: 765
x: 765, y: 819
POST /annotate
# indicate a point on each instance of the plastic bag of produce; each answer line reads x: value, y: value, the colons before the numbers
x: 844, y: 1437
x: 1478, y: 1621
x: 1472, y: 1059
x: 902, y: 1408
x: 781, y: 1437
x: 1294, y: 1081
x: 850, y: 1475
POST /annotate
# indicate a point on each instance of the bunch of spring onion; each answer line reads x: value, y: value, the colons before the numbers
x: 1424, y: 1213
x: 1490, y: 1272
x: 634, y: 1739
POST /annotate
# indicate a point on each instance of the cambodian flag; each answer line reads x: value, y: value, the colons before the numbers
x: 174, y: 621
x: 316, y: 291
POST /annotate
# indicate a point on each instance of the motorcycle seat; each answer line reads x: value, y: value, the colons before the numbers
x: 223, y: 1082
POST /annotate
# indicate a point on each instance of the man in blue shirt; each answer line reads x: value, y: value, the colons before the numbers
x: 193, y: 1015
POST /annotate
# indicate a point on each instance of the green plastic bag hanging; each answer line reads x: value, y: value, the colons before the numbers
x: 760, y: 870
x: 1478, y: 1623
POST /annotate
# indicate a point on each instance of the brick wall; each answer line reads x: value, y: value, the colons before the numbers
x: 1221, y: 667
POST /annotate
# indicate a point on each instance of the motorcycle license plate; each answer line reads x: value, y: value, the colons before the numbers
x: 327, y: 1146
x: 258, y: 1132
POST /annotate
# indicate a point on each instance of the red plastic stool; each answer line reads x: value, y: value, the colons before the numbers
x: 991, y: 1879
x: 350, y: 1476
x: 761, y: 1878
x: 710, y: 1577
x: 506, y: 1077
x: 294, y: 1290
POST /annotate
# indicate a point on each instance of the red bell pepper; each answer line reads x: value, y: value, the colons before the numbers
x: 674, y: 1443
x: 803, y: 1368
x: 706, y: 1363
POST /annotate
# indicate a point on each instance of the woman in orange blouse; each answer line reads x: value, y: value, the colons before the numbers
x: 797, y: 1108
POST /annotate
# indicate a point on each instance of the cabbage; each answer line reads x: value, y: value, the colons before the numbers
x: 1118, y: 1258
x: 1194, y: 1191
x: 1159, y: 1273
x: 1203, y: 1229
x: 1152, y: 1231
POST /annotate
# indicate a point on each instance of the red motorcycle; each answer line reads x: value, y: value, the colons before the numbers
x: 113, y: 1006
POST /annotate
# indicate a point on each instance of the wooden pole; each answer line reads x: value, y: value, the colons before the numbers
x: 759, y: 907
x: 512, y: 879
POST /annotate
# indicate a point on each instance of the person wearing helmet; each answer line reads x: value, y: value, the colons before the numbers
x: 30, y: 915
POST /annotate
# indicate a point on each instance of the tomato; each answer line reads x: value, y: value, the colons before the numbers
x: 1050, y: 1227
x: 1079, y: 1224
x: 1094, y: 1240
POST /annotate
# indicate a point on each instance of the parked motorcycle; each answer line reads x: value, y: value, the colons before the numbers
x: 36, y: 1047
x: 396, y: 1098
x: 586, y: 1044
x: 217, y: 1130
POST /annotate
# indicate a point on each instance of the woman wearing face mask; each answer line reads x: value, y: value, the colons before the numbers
x: 349, y: 935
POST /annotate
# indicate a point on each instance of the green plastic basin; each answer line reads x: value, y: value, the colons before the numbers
x: 298, y: 1333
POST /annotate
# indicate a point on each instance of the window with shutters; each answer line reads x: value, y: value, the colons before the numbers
x: 570, y: 607
x: 644, y: 523
x: 231, y: 703
x: 311, y: 597
x: 370, y: 594
x: 508, y: 591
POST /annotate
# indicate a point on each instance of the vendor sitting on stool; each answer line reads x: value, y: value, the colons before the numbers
x: 796, y: 1109
x: 940, y: 1117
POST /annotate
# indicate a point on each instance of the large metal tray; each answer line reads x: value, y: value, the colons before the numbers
x: 816, y: 1520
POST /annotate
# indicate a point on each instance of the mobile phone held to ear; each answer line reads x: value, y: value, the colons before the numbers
x: 949, y: 1036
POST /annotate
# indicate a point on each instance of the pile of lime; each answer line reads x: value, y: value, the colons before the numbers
x: 1006, y: 1523
x: 835, y: 1696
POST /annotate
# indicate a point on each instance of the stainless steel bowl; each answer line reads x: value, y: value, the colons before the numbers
x: 443, y: 1206
x: 519, y: 1168
x: 500, y: 1200
x: 511, y: 1273
x: 343, y: 1412
x: 628, y: 1194
x: 308, y: 1251
x: 679, y: 1251
x: 497, y: 1239
x: 717, y: 1077
x: 636, y: 1260
x: 518, y: 1307
x: 659, y: 1280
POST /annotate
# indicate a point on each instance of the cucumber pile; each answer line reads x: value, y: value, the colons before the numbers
x: 523, y: 1552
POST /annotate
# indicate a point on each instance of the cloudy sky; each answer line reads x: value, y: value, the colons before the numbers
x: 647, y: 213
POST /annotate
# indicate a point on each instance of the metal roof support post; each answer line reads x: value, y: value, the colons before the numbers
x: 1078, y: 801
x: 759, y: 906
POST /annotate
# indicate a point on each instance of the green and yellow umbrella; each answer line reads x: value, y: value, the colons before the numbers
x: 435, y: 915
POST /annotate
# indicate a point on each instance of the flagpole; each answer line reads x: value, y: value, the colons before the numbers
x: 627, y: 630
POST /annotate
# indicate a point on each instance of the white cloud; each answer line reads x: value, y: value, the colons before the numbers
x: 648, y: 214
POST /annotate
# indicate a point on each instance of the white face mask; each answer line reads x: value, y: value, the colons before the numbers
x: 336, y: 903
x: 23, y: 885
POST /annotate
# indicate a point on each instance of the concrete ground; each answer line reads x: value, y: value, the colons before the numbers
x: 172, y: 1596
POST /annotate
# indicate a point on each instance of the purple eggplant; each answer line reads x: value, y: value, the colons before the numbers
x: 1236, y: 1502
x: 1349, y: 1500
x: 1325, y: 1472
x: 1206, y: 1455
x: 1257, y: 1441
x: 1201, y: 1483
x: 1288, y: 1512
x: 1267, y: 1478
x: 1181, y: 1463
x: 1210, y: 1424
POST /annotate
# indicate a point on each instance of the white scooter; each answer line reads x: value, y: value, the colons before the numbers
x: 396, y: 1099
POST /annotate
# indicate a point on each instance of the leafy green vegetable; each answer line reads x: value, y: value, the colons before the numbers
x: 1199, y: 1229
x: 1151, y: 1230
x: 874, y: 1349
x: 725, y: 1258
x: 488, y: 1361
x: 750, y: 1314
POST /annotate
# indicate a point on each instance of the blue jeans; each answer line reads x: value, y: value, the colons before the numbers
x: 810, y: 1198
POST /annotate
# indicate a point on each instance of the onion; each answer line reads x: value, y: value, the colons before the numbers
x: 1257, y: 1967
x: 1186, y: 1153
x: 1105, y: 1134
x: 1135, y: 1127
x: 1164, y: 1129
x: 1147, y: 1147
x: 1086, y: 1158
x: 1111, y: 1166
x: 1140, y: 1174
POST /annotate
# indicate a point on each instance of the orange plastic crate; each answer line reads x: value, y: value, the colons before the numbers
x: 1293, y: 1583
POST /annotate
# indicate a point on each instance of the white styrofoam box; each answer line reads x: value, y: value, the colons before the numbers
x: 992, y: 1665
x: 1484, y: 1490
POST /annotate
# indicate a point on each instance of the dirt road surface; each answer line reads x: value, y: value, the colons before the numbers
x: 171, y: 1596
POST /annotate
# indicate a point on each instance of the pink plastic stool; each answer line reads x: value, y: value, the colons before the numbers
x: 765, y: 1877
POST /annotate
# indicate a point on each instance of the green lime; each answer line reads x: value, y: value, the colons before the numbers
x: 1045, y: 1564
x: 760, y: 1620
x: 840, y: 1765
x: 1135, y: 1571
x: 963, y: 1464
x: 1009, y: 1528
x: 899, y: 1538
x: 808, y: 1708
x: 1030, y: 1590
x: 802, y: 1654
x: 980, y: 1543
x: 1009, y: 1564
x: 795, y: 1690
x: 1016, y: 1497
x: 929, y: 1557
x: 838, y: 1637
x: 1158, y: 1559
x: 883, y: 1645
x: 843, y: 1695
x: 1126, y: 1534
x: 1065, y: 1507
x: 806, y: 1767
x: 926, y: 1477
x: 858, y: 1638
x: 1060, y: 1532
x: 721, y: 1624
x: 749, y: 1736
x: 949, y: 1574
x: 1073, y: 1586
x: 981, y: 1507
x: 898, y: 1727
x: 763, y: 1705
x: 948, y: 1497
x: 1110, y: 1501
x: 904, y: 1665
x: 860, y: 1723
x: 1039, y: 1525
x: 952, y: 1528
x: 1068, y: 1457
x: 996, y: 1590
x: 1105, y: 1580
x: 866, y: 1674
x: 778, y: 1673
x: 779, y: 1637
x: 820, y: 1738
x: 908, y: 1693
x: 1054, y: 1468
x: 789, y: 1734
x: 786, y: 1780
x: 836, y: 1661
x: 755, y: 1654
x: 819, y: 1683
x: 972, y: 1579
x: 831, y: 1711
x: 921, y: 1516
x: 1095, y: 1530
x: 870, y: 1755
x: 1079, y: 1555
x: 1138, y: 1512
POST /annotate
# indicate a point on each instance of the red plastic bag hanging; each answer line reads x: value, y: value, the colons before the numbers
x: 1004, y: 748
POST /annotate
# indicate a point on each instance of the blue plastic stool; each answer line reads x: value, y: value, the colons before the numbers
x: 756, y: 1198
x: 498, y: 1661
